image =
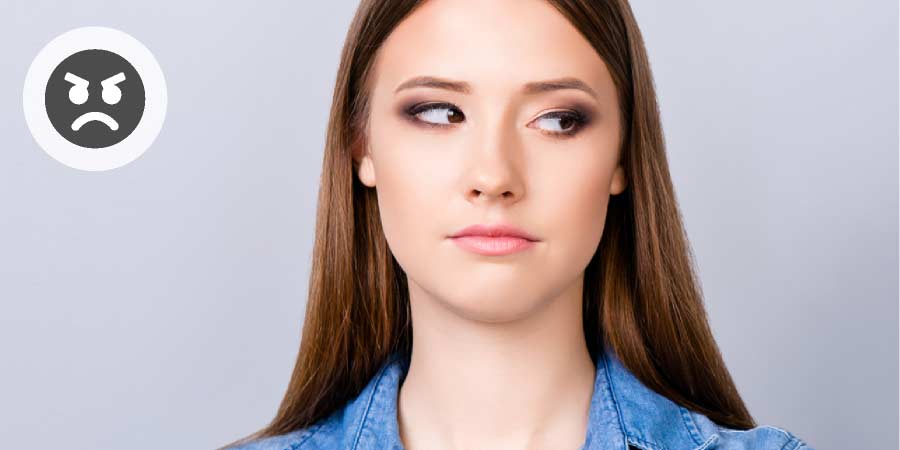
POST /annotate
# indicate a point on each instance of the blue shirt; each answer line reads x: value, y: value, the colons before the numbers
x: 624, y: 415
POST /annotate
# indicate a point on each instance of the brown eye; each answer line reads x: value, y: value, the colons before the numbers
x: 563, y: 122
x: 437, y: 114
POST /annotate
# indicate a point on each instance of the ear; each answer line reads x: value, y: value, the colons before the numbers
x: 618, y: 182
x: 363, y: 161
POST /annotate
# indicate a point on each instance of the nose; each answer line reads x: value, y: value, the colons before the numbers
x: 494, y: 169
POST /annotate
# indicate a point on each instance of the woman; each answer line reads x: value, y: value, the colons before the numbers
x: 499, y: 258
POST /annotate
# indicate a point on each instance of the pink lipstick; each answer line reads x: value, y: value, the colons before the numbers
x: 493, y: 240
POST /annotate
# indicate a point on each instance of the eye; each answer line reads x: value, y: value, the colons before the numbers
x: 78, y: 94
x: 564, y: 122
x: 435, y: 114
x: 111, y: 94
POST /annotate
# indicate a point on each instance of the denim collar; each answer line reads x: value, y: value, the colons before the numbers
x: 623, y: 413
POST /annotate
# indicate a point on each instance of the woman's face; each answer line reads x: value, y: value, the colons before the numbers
x: 494, y: 152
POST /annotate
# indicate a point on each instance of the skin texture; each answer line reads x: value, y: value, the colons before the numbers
x: 499, y: 358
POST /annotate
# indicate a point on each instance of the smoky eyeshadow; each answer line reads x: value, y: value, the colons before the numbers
x: 584, y: 113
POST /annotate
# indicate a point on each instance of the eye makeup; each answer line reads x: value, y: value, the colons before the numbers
x: 579, y: 115
x: 412, y: 113
x: 579, y: 119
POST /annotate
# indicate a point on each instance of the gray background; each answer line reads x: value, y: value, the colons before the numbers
x: 160, y: 304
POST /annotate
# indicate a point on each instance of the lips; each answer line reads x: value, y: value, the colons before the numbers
x: 498, y: 230
x: 493, y: 240
x: 493, y: 246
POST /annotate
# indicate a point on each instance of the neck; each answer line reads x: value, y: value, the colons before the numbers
x: 524, y: 384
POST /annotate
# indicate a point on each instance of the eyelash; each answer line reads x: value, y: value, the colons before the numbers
x: 580, y: 118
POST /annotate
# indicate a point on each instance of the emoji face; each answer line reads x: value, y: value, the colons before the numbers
x: 94, y: 98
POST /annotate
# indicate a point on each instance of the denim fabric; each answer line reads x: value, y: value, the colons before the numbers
x: 624, y: 415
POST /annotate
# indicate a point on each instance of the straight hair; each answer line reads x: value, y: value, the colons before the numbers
x: 642, y: 298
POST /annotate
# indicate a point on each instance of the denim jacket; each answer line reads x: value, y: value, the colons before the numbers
x: 624, y: 415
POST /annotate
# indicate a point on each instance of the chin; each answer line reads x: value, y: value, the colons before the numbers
x: 490, y: 304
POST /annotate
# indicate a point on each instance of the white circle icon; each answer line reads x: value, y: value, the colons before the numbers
x: 94, y: 98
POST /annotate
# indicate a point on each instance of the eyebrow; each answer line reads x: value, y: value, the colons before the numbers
x: 115, y: 79
x: 75, y: 79
x: 530, y: 88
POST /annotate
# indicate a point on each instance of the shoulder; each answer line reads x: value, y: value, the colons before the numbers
x: 761, y: 437
x: 366, y: 421
x: 325, y: 434
x: 652, y: 421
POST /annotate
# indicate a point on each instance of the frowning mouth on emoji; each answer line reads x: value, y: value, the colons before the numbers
x: 92, y: 116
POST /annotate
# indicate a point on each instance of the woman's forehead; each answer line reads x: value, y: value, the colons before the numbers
x: 489, y: 45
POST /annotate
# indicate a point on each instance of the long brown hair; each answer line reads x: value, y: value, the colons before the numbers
x: 642, y: 297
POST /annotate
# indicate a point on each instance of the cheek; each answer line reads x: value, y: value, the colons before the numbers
x: 411, y: 189
x: 409, y: 206
x: 578, y: 222
x: 573, y: 208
